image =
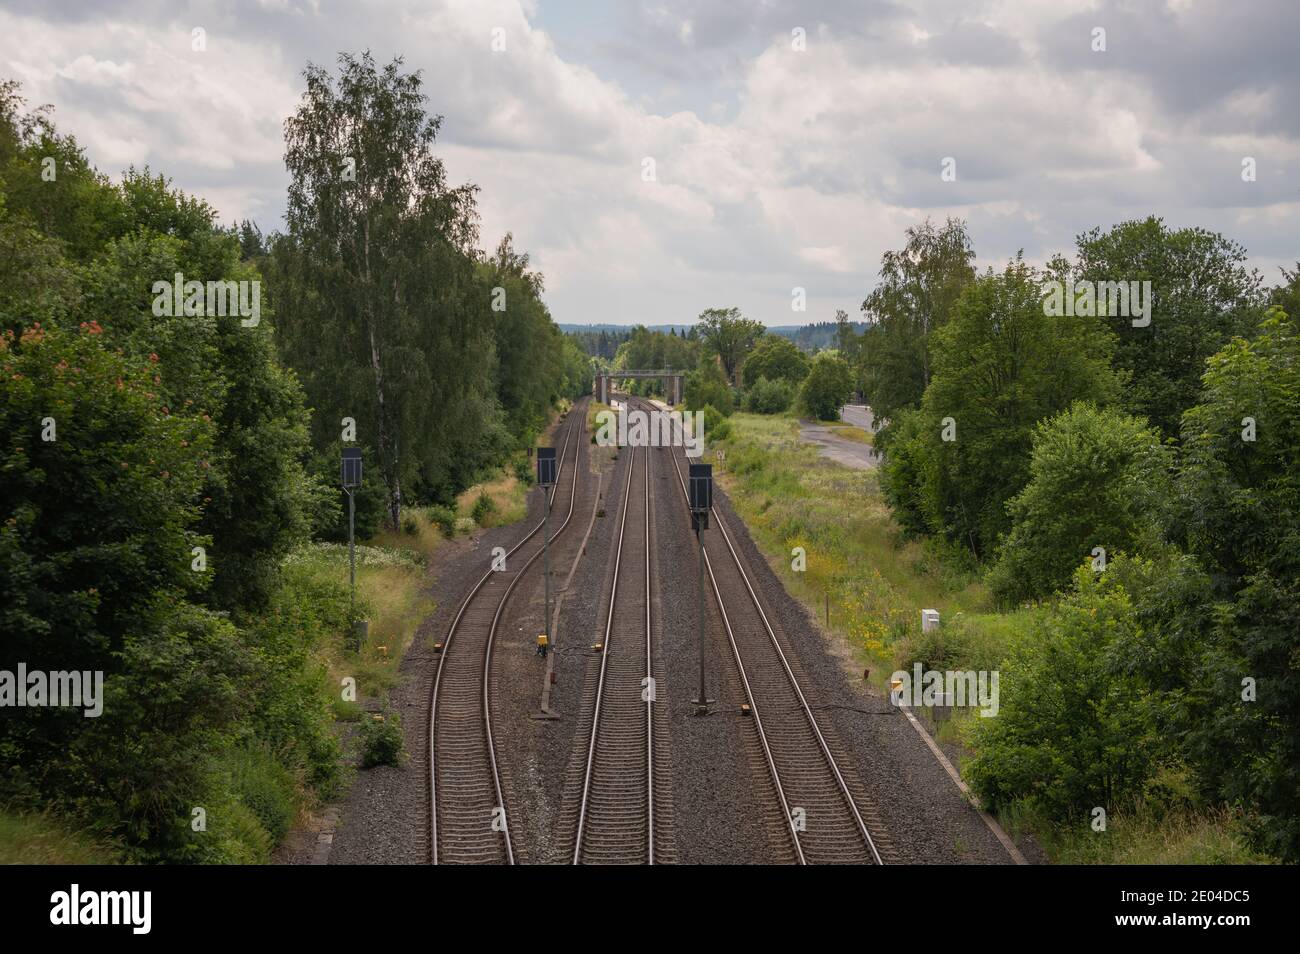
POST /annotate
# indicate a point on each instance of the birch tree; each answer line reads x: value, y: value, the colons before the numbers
x: 378, y: 301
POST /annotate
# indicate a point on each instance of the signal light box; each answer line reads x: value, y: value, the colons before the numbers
x: 546, y: 466
x: 351, y: 468
x: 700, y: 492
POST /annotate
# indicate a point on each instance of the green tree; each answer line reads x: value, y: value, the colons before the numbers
x: 1000, y: 367
x: 1239, y: 512
x: 257, y: 497
x: 770, y: 397
x: 132, y: 439
x: 1202, y: 293
x: 849, y: 343
x: 776, y: 358
x: 48, y: 181
x: 529, y: 347
x: 918, y: 289
x: 101, y: 486
x: 906, y: 472
x: 827, y: 387
x: 728, y: 334
x: 653, y: 351
x: 707, y: 386
x: 81, y: 249
x: 252, y: 244
x: 168, y: 432
x: 1071, y: 732
x: 383, y: 317
x: 1098, y: 478
x: 36, y: 283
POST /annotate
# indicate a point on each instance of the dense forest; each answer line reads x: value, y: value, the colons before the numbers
x: 174, y: 397
x: 818, y: 335
x: 600, y: 343
x: 603, y: 342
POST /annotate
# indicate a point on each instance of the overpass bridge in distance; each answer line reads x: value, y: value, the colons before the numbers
x: 672, y: 383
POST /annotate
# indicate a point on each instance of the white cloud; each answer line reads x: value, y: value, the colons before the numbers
x: 801, y: 168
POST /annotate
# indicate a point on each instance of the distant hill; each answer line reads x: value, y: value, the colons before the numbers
x: 811, y: 337
x: 577, y: 329
x: 816, y: 336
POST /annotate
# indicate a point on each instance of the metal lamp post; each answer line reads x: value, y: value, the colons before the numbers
x: 546, y: 478
x: 700, y: 494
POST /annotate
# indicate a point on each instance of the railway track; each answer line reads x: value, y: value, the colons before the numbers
x: 618, y: 806
x: 468, y: 821
x: 823, y: 820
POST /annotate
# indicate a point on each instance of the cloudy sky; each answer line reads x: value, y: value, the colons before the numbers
x: 775, y: 166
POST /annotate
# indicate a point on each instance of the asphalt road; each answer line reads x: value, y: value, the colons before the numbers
x: 850, y: 453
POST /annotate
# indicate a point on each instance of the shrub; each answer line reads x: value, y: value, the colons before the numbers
x: 957, y: 644
x: 716, y: 427
x: 178, y: 690
x: 902, y: 471
x: 770, y: 397
x: 410, y: 526
x: 827, y: 387
x: 234, y: 836
x: 346, y: 710
x: 291, y: 711
x: 706, y: 385
x: 524, y: 471
x: 1098, y: 478
x: 484, y: 508
x: 381, y: 740
x: 1073, y: 731
x: 265, y: 787
x: 444, y: 518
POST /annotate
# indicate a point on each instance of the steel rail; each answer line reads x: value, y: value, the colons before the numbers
x: 578, y: 416
x: 794, y: 683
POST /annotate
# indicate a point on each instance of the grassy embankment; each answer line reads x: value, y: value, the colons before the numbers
x: 390, y: 572
x: 877, y: 583
x: 390, y: 578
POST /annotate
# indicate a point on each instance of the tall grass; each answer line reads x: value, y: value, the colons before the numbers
x: 391, y: 594
x: 43, y: 840
x: 1146, y: 837
x: 424, y: 541
x: 789, y: 496
x: 851, y: 432
x: 509, y: 501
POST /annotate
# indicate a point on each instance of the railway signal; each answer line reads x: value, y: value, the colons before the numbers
x: 350, y: 477
x: 546, y: 477
x: 546, y: 466
x: 700, y: 497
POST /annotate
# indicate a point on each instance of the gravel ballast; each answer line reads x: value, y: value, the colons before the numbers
x: 722, y: 802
